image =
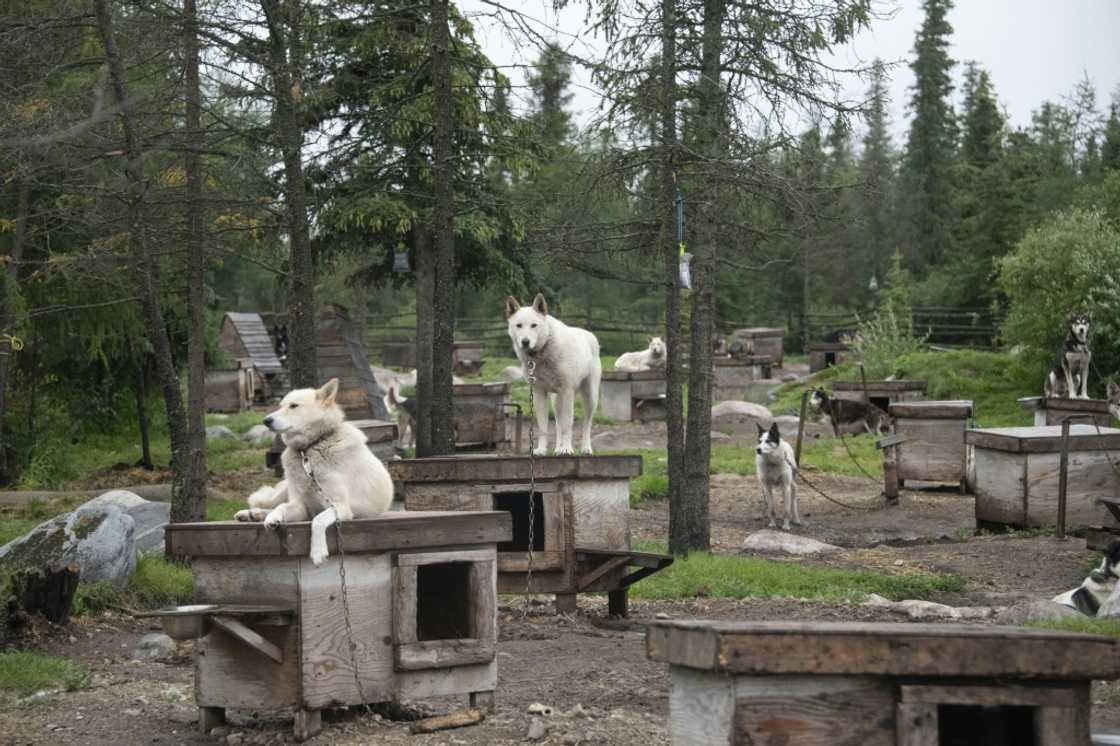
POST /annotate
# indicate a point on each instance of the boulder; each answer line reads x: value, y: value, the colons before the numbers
x: 769, y: 541
x: 99, y: 539
x: 150, y: 517
x: 512, y: 373
x: 219, y: 432
x: 259, y: 435
x: 1036, y: 611
x: 743, y: 409
x: 155, y: 645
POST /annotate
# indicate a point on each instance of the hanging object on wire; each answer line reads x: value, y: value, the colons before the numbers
x: 400, y: 260
x: 685, y: 271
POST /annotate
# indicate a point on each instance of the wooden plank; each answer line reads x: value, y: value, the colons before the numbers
x: 1043, y: 439
x: 1091, y: 477
x: 602, y: 513
x: 442, y: 558
x: 484, y: 601
x: 611, y: 564
x: 881, y: 388
x: 544, y: 561
x: 814, y: 711
x: 327, y: 664
x: 248, y: 636
x: 917, y: 725
x: 1040, y: 695
x: 428, y: 683
x: 390, y: 530
x: 404, y: 604
x: 1001, y: 487
x: 934, y: 450
x: 960, y: 409
x: 883, y: 649
x: 503, y: 468
x: 701, y: 707
x: 429, y: 654
x: 1059, y: 726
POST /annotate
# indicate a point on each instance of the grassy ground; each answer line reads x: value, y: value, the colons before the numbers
x: 1086, y: 625
x: 23, y: 673
x: 731, y: 576
x: 992, y: 380
x: 155, y: 584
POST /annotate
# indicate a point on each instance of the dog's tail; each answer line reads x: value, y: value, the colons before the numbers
x: 267, y: 497
x: 395, y: 399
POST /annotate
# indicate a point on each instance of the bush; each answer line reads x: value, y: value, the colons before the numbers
x: 887, y: 336
x: 1071, y: 262
x: 23, y: 672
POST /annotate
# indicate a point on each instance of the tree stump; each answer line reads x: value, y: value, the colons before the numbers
x: 47, y: 591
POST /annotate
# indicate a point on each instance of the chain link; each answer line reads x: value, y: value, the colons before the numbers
x: 341, y: 577
x: 530, y: 369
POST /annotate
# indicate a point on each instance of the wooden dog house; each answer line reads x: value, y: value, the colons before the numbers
x: 398, y: 353
x: 930, y: 444
x: 881, y: 393
x: 274, y: 631
x: 581, y: 518
x: 466, y: 358
x: 826, y: 354
x: 480, y: 413
x: 732, y: 376
x: 762, y: 341
x: 230, y: 389
x: 859, y: 684
x: 342, y: 355
x: 1017, y: 470
x: 627, y: 396
x: 1050, y: 411
x: 245, y: 339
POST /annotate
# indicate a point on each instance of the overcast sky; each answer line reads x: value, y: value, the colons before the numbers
x: 1035, y: 50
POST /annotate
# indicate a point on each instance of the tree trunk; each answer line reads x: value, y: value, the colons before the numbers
x: 147, y: 287
x: 693, y: 531
x: 142, y: 415
x: 671, y: 258
x: 285, y: 26
x: 443, y: 219
x: 8, y: 288
x: 425, y: 290
x: 193, y: 505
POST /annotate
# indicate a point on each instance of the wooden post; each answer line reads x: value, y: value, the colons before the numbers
x: 1063, y: 475
x: 800, y: 427
x: 863, y: 380
x: 618, y: 602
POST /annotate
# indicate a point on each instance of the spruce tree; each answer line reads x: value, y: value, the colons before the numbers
x: 930, y: 144
x: 551, y: 97
x: 877, y: 167
x: 1110, y: 149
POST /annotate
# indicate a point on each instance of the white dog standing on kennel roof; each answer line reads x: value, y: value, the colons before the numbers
x: 565, y: 358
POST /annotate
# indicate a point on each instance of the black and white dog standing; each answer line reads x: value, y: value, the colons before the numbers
x: 1069, y: 378
x: 850, y: 411
x: 1091, y: 594
x: 774, y: 462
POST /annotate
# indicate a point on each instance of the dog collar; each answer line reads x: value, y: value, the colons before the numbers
x: 303, y: 451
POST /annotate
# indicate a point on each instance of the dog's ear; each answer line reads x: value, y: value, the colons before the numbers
x: 539, y: 305
x: 761, y: 429
x: 1113, y: 552
x: 512, y: 304
x: 775, y: 433
x: 327, y: 393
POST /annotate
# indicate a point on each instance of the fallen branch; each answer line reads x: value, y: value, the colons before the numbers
x: 457, y: 719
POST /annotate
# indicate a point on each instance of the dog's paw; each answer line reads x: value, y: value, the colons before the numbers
x: 252, y: 515
x: 564, y: 451
x: 272, y: 521
x: 772, y: 524
x: 540, y: 451
x: 318, y: 555
x: 785, y: 525
x: 587, y: 451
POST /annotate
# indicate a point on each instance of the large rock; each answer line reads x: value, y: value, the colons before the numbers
x: 100, y: 539
x: 740, y: 409
x: 155, y: 645
x: 513, y: 373
x: 258, y: 435
x: 150, y: 517
x: 768, y: 541
x: 1036, y: 611
x: 219, y: 432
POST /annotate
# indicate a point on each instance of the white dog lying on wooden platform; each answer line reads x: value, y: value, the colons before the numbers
x: 326, y: 465
x: 651, y: 358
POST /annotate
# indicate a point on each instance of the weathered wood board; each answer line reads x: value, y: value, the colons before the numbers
x: 933, y: 449
x: 341, y: 354
x: 480, y: 414
x: 731, y: 377
x: 853, y: 684
x: 826, y: 354
x: 622, y: 393
x: 883, y: 394
x: 1050, y: 411
x: 762, y: 341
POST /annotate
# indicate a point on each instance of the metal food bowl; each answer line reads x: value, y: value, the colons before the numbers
x: 186, y: 622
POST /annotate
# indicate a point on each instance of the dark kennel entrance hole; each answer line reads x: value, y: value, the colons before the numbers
x: 517, y: 504
x: 829, y: 359
x: 882, y: 402
x: 443, y: 601
x: 972, y: 725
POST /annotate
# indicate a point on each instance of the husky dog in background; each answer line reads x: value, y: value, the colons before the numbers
x: 406, y: 416
x: 1095, y: 590
x: 566, y: 359
x: 651, y: 358
x: 1069, y: 378
x: 850, y: 411
x: 774, y: 459
x: 347, y: 477
x: 1114, y: 400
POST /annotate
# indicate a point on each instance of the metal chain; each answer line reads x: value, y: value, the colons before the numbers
x: 341, y: 577
x: 530, y: 368
x: 826, y: 496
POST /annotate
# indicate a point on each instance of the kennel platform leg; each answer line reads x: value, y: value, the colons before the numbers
x: 308, y: 723
x: 566, y: 603
x: 210, y: 718
x: 618, y: 602
x: 482, y: 700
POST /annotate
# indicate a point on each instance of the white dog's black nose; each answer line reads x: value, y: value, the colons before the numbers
x: 758, y: 451
x: 525, y: 343
x: 268, y: 422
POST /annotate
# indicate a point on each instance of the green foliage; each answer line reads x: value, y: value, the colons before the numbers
x: 733, y: 576
x: 26, y: 672
x: 1070, y: 263
x: 648, y: 487
x: 1082, y: 624
x: 992, y: 380
x: 888, y: 335
x: 156, y: 583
